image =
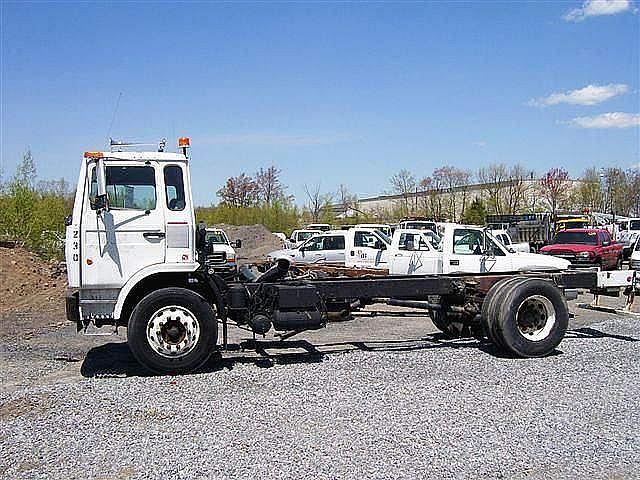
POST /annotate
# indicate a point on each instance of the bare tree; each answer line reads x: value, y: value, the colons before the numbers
x: 240, y: 191
x: 317, y: 203
x: 516, y: 189
x: 346, y: 199
x: 403, y: 183
x: 588, y: 193
x: 455, y: 182
x: 554, y: 187
x: 493, y: 178
x: 268, y: 186
x: 425, y: 185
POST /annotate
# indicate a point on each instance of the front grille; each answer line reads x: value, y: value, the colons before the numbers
x: 635, y: 264
x: 216, y: 258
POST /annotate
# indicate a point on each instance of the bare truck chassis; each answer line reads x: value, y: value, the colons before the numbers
x: 523, y: 314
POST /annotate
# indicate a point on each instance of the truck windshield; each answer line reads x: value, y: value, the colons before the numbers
x: 634, y: 225
x: 421, y: 226
x: 582, y: 238
x: 306, y: 235
x: 216, y: 237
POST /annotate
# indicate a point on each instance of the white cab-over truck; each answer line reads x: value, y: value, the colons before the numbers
x: 132, y: 251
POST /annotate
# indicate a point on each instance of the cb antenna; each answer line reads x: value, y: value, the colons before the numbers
x: 113, y: 117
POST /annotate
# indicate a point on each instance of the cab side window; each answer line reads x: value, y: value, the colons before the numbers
x: 467, y: 242
x: 128, y: 188
x: 314, y: 244
x: 174, y: 187
x: 365, y: 239
x: 334, y: 243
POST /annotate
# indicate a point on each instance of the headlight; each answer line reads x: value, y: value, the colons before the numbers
x: 585, y: 254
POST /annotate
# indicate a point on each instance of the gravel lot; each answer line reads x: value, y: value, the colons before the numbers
x: 373, y: 398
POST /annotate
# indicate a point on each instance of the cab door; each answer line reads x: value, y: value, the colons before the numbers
x: 414, y: 256
x: 473, y: 251
x: 368, y: 251
x: 130, y: 235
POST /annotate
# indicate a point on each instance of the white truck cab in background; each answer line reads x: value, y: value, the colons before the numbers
x: 298, y: 237
x: 323, y: 227
x: 383, y: 227
x: 418, y: 225
x: 220, y: 253
x: 505, y: 238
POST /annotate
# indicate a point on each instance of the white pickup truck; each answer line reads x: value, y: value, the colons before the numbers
x: 462, y: 248
x: 506, y: 240
x: 219, y: 252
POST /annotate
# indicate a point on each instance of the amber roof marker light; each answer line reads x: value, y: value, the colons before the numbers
x: 184, y: 143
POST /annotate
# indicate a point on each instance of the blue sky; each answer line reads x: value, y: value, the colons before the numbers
x: 328, y: 92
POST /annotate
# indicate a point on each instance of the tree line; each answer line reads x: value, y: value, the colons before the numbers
x: 32, y: 212
x: 446, y: 193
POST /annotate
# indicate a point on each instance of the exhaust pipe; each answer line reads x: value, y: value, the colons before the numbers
x: 278, y: 271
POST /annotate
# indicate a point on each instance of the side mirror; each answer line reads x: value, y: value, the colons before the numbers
x: 101, y: 202
x: 237, y: 244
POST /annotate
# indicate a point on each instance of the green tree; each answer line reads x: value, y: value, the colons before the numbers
x: 475, y: 213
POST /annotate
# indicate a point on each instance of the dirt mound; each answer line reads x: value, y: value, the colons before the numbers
x: 257, y: 241
x: 31, y: 291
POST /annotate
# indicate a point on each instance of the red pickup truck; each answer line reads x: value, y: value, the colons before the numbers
x: 591, y: 247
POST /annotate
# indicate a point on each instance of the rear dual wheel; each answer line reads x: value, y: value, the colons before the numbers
x: 527, y: 317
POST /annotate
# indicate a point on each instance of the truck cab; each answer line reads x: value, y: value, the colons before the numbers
x: 219, y: 252
x: 298, y: 237
x: 132, y: 218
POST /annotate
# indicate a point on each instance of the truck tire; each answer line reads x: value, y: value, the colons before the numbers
x: 492, y: 301
x: 172, y: 331
x: 532, y: 319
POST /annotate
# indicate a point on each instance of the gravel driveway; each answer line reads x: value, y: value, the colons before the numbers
x: 369, y: 404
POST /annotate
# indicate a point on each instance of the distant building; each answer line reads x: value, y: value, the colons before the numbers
x: 523, y: 195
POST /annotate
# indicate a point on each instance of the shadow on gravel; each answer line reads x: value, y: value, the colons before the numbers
x: 588, y: 332
x: 116, y: 360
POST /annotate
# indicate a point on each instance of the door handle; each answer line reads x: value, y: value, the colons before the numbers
x: 398, y: 255
x: 153, y: 234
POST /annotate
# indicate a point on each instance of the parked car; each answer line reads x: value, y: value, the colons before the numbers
x: 323, y: 247
x: 586, y: 247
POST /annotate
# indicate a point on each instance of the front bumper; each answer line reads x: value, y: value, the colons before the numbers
x: 72, y: 305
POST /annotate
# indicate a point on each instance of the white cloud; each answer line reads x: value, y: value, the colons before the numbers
x: 607, y: 120
x: 589, y: 95
x: 274, y: 139
x: 595, y: 8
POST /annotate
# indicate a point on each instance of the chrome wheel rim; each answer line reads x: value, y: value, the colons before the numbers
x: 173, y: 331
x: 535, y: 318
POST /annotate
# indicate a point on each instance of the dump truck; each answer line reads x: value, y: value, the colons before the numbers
x: 135, y: 259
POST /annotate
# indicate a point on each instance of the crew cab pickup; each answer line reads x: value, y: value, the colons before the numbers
x: 591, y: 247
x: 323, y: 247
x: 462, y: 249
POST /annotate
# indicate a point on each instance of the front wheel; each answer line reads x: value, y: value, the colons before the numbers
x: 172, y: 331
